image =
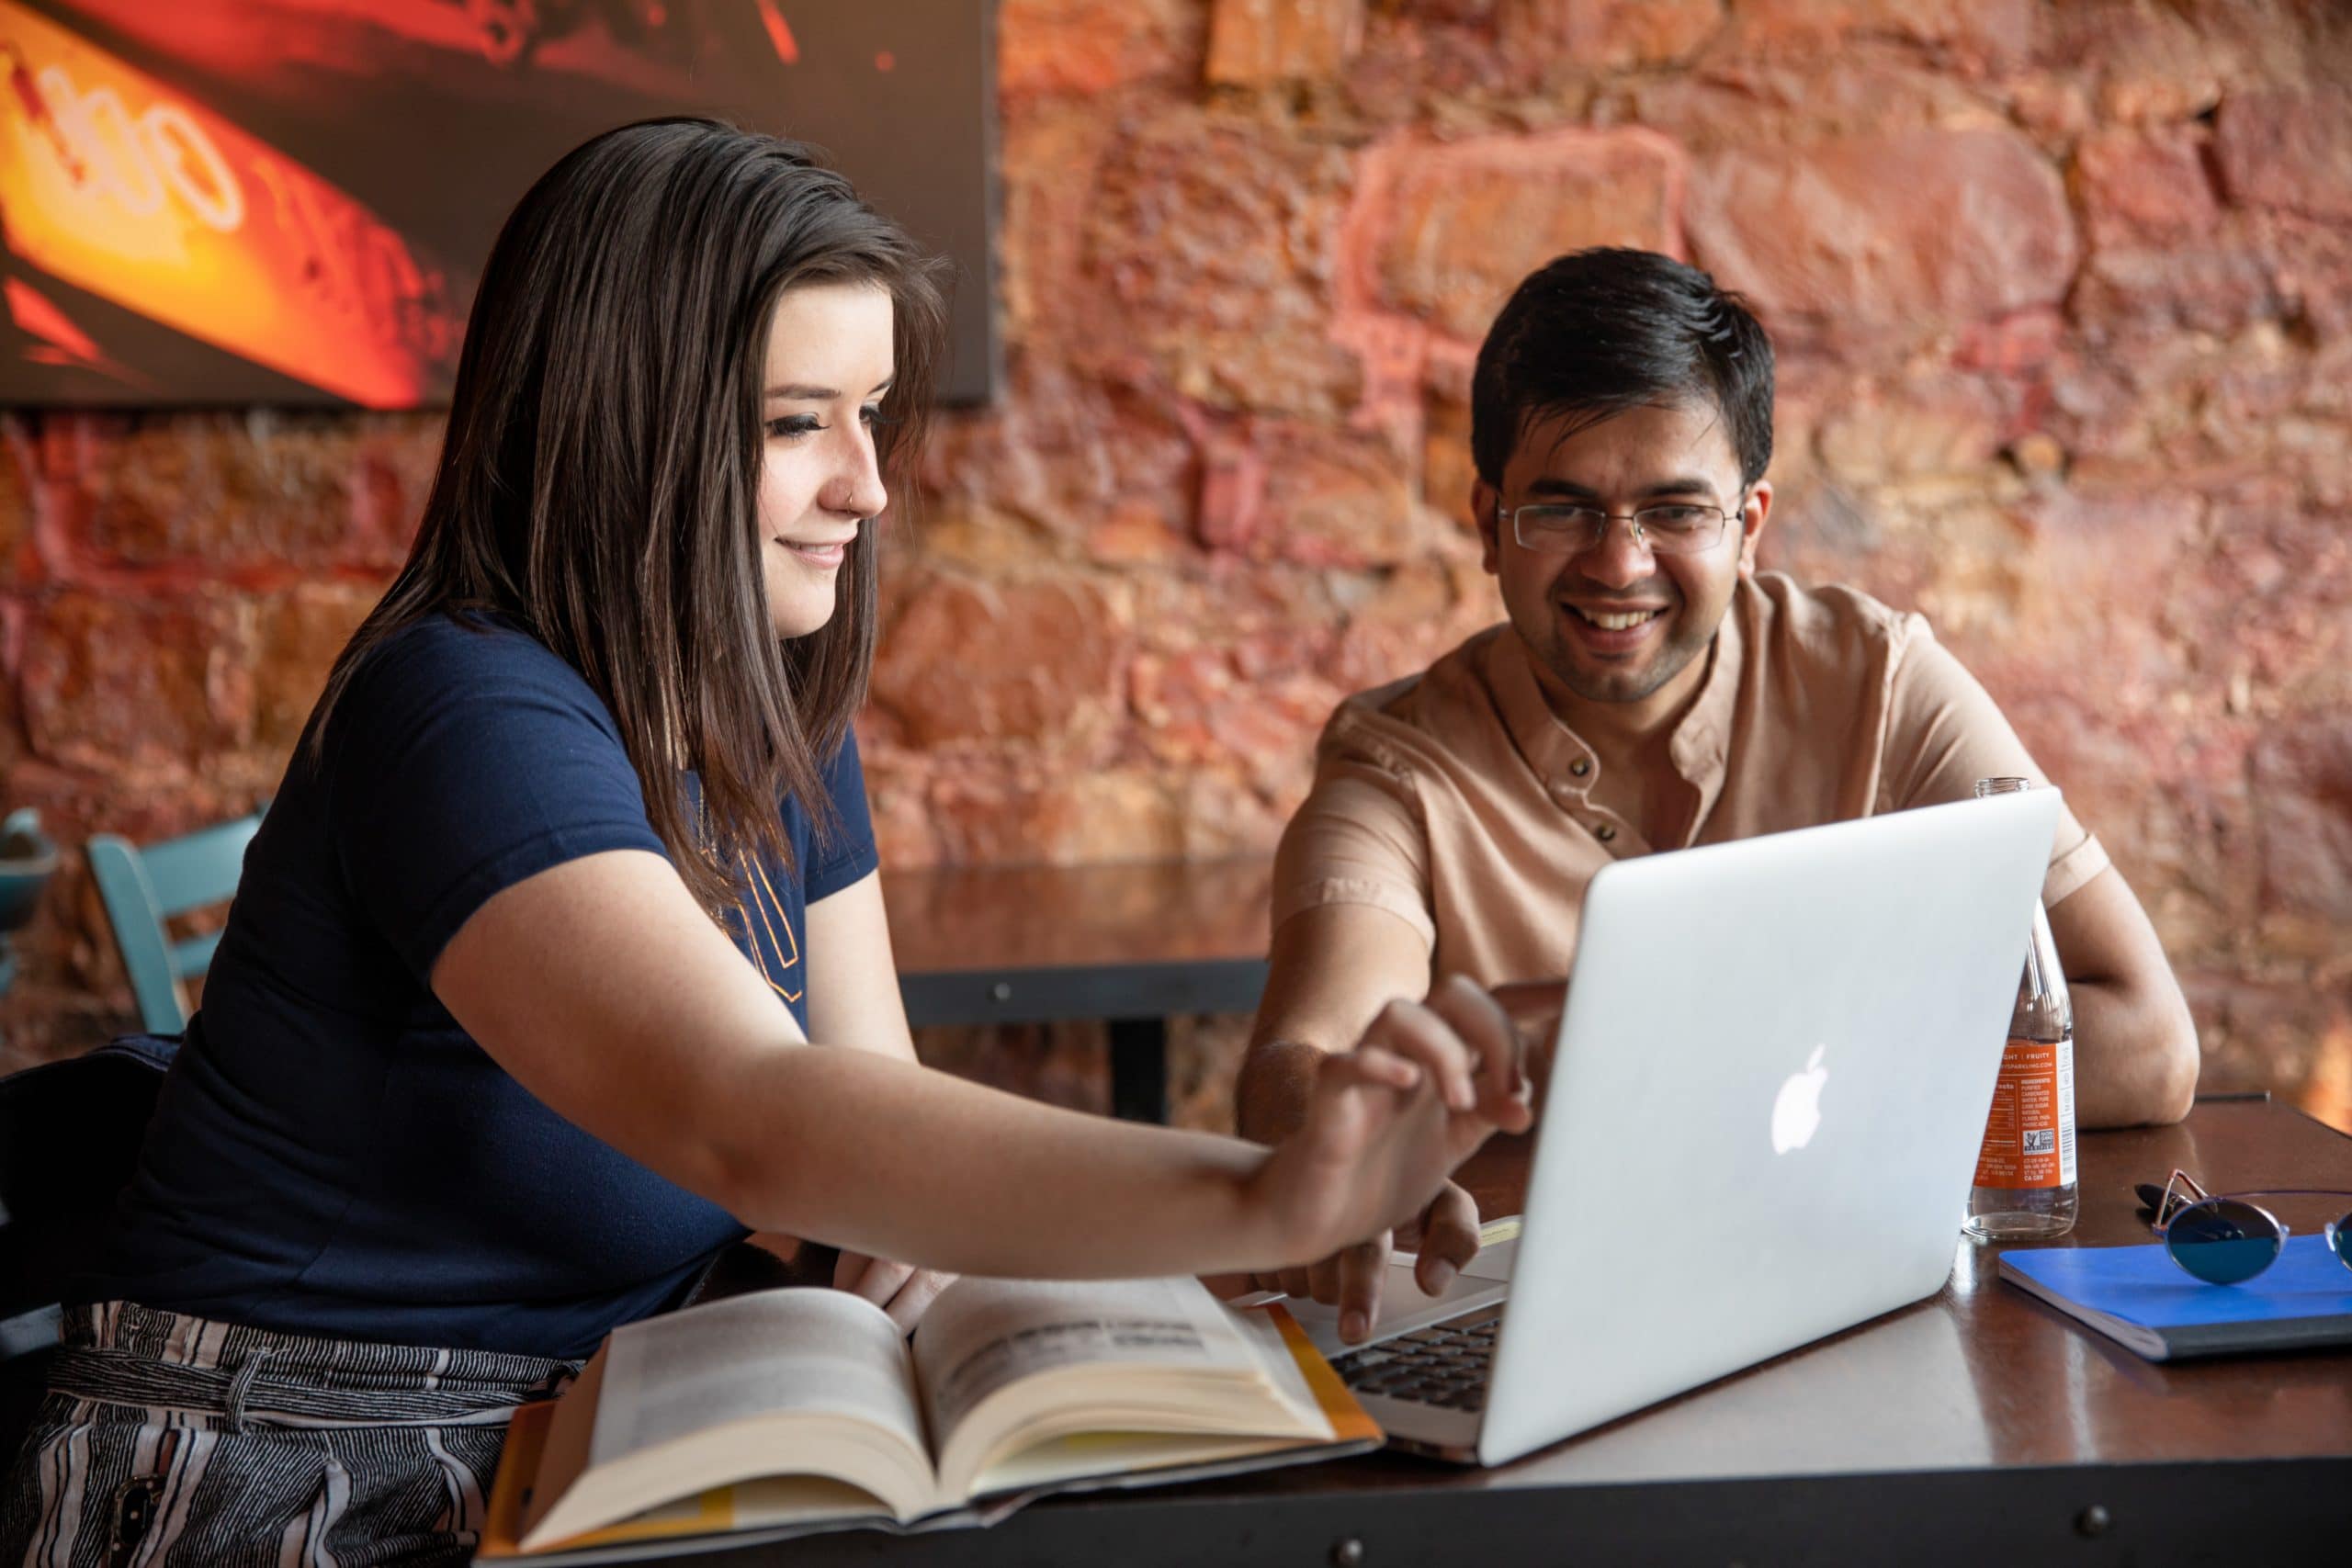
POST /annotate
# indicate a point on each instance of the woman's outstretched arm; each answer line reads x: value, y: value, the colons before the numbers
x: 607, y: 992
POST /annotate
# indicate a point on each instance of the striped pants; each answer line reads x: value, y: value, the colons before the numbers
x: 168, y: 1440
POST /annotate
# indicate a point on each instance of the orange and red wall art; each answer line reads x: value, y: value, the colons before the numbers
x: 285, y: 201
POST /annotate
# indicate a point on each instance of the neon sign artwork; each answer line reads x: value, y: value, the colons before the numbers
x: 120, y: 187
x: 217, y: 201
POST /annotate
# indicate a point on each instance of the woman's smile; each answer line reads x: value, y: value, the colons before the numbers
x: 827, y: 556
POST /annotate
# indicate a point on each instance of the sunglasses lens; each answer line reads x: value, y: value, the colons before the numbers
x: 2223, y: 1241
x: 2339, y: 1238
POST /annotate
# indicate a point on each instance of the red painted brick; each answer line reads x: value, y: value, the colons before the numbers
x: 1058, y: 459
x: 2145, y: 183
x: 145, y: 688
x: 1028, y: 816
x: 1216, y: 243
x: 1862, y: 242
x: 1942, y: 425
x: 2302, y: 774
x: 1741, y: 105
x: 214, y: 491
x: 2288, y: 149
x: 298, y: 635
x: 1970, y: 36
x: 1563, y: 37
x: 1029, y: 662
x: 1093, y: 46
x: 1255, y: 43
x: 1455, y: 228
x: 17, y: 559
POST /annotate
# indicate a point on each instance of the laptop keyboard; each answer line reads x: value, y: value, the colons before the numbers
x: 1445, y: 1365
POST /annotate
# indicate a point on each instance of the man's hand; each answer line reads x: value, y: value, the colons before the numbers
x: 1458, y: 1060
x: 1536, y: 1006
x: 1387, y: 1121
x: 901, y: 1289
x: 1445, y: 1236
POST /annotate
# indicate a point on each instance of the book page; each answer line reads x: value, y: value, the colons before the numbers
x: 982, y: 1335
x: 797, y: 1351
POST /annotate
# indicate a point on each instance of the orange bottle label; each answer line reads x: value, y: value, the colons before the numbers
x: 2029, y: 1136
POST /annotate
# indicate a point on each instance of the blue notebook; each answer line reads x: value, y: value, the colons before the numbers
x: 2141, y: 1297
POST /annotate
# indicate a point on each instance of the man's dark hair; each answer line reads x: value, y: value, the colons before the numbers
x: 599, y: 482
x: 1596, y: 333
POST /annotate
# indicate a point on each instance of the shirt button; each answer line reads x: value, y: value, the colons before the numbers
x: 1604, y: 833
x: 1581, y: 766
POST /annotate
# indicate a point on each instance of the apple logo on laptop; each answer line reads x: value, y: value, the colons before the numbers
x: 1796, y: 1110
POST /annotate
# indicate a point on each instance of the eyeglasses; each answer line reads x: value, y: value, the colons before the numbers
x: 1675, y: 528
x: 2221, y: 1239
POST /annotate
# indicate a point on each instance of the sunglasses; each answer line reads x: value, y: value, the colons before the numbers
x: 2224, y: 1238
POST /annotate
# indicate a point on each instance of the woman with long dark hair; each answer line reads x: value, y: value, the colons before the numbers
x: 508, y: 1034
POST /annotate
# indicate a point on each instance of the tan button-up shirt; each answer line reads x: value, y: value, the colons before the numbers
x: 1458, y: 802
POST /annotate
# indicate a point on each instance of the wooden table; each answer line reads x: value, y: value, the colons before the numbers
x: 1128, y: 943
x: 1976, y: 1428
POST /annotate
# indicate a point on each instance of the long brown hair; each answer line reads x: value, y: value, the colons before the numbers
x: 598, y: 483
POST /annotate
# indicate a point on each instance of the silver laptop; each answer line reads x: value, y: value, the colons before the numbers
x: 1770, y: 1084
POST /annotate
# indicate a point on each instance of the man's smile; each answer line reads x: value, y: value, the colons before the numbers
x: 1617, y: 620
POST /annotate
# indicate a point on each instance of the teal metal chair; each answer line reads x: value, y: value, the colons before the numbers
x: 141, y: 888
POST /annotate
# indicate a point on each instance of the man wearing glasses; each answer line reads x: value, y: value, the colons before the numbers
x: 1651, y: 689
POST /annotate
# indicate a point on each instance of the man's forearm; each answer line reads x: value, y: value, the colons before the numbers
x: 2135, y: 1055
x: 1271, y: 1092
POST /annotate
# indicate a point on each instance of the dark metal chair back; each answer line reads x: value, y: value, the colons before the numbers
x: 69, y: 1140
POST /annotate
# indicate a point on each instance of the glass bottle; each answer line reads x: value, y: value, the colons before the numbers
x: 2025, y: 1173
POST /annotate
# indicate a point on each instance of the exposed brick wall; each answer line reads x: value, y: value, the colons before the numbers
x: 2063, y: 296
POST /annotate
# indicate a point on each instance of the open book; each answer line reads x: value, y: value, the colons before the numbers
x: 800, y: 1408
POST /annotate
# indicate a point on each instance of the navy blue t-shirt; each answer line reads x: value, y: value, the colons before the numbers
x: 331, y: 1154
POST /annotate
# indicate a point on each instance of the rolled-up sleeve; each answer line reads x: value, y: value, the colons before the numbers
x: 1359, y: 839
x: 1946, y: 732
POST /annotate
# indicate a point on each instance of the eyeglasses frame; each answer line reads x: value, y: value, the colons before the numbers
x: 2191, y: 1194
x: 1509, y: 516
